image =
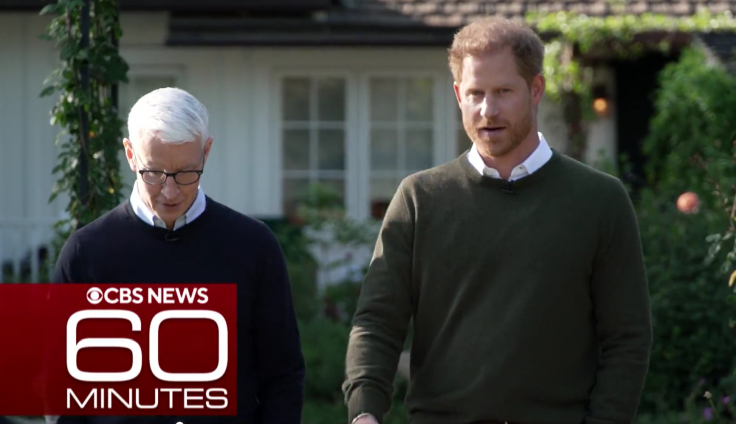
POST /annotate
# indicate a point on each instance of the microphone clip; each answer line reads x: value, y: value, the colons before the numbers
x: 508, y: 188
x: 171, y: 236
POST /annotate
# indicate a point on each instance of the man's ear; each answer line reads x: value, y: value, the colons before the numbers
x: 128, y: 146
x: 456, y: 87
x: 207, y: 147
x: 537, y: 89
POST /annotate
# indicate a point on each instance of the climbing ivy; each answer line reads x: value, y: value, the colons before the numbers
x: 691, y: 143
x: 88, y: 71
x: 572, y: 35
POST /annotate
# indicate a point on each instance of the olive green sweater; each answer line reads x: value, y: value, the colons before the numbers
x: 529, y: 307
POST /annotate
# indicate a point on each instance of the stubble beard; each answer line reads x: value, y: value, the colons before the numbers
x: 500, y: 146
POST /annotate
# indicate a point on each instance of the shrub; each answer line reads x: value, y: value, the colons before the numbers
x: 301, y: 266
x: 692, y: 139
x: 690, y: 148
x: 692, y: 338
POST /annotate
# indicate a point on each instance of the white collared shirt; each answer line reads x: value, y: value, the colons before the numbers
x: 148, y: 217
x: 536, y: 160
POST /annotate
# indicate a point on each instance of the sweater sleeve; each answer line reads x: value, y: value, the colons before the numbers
x: 69, y: 268
x: 279, y: 357
x: 621, y: 300
x: 382, y: 315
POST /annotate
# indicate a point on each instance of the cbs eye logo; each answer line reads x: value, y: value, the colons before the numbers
x: 94, y: 295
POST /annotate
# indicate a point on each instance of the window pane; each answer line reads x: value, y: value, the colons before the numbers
x: 384, y: 150
x: 296, y: 150
x: 145, y: 85
x: 418, y: 150
x: 294, y: 191
x: 382, y: 191
x: 315, y: 142
x: 295, y: 100
x: 384, y: 100
x: 419, y: 100
x: 331, y: 150
x: 331, y: 99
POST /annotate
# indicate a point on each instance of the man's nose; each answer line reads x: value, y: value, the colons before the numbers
x: 170, y: 189
x: 488, y: 108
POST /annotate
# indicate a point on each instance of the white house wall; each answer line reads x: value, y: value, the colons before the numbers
x: 27, y: 151
x: 240, y: 88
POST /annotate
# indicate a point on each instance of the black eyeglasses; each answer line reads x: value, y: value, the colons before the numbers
x: 160, y: 177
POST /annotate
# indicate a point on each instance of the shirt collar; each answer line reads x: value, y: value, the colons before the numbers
x: 536, y: 160
x: 145, y: 213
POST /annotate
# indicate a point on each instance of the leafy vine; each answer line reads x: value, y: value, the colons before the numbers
x: 572, y: 36
x: 85, y: 81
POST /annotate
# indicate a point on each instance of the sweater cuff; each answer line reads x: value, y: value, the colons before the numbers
x: 365, y: 400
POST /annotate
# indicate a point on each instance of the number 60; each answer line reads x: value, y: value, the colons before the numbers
x: 73, y: 347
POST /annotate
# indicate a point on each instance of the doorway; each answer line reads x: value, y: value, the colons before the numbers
x: 636, y: 82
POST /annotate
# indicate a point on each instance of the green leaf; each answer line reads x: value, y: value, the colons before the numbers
x: 106, y: 67
x: 47, y: 91
x: 49, y: 8
x: 67, y: 51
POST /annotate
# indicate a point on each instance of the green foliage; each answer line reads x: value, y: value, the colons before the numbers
x: 301, y: 266
x: 324, y: 349
x: 569, y: 79
x: 323, y: 209
x: 693, y: 141
x: 101, y: 143
x: 690, y: 148
x: 343, y: 297
x: 701, y: 406
x: 324, y: 343
x: 614, y: 33
x: 325, y: 315
x: 328, y: 227
x: 692, y: 338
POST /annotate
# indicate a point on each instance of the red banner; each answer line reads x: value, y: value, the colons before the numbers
x: 133, y: 349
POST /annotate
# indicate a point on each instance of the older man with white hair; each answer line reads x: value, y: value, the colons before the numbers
x: 169, y: 231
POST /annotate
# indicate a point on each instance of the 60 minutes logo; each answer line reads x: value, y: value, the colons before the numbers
x: 108, y: 398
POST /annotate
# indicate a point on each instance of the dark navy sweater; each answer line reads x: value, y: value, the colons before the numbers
x: 220, y: 246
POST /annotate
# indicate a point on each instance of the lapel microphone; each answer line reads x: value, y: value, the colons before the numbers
x: 509, y: 187
x: 172, y: 236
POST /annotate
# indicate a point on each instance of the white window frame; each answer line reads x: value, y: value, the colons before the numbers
x: 438, y: 150
x: 357, y: 145
x: 276, y: 153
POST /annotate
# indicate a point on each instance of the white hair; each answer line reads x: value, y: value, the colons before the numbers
x: 171, y: 114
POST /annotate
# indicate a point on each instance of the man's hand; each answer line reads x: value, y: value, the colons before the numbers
x: 365, y: 419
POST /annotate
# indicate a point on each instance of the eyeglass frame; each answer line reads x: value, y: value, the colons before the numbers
x: 172, y: 174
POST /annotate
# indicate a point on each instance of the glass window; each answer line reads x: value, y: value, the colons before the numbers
x: 313, y: 134
x: 401, y: 134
